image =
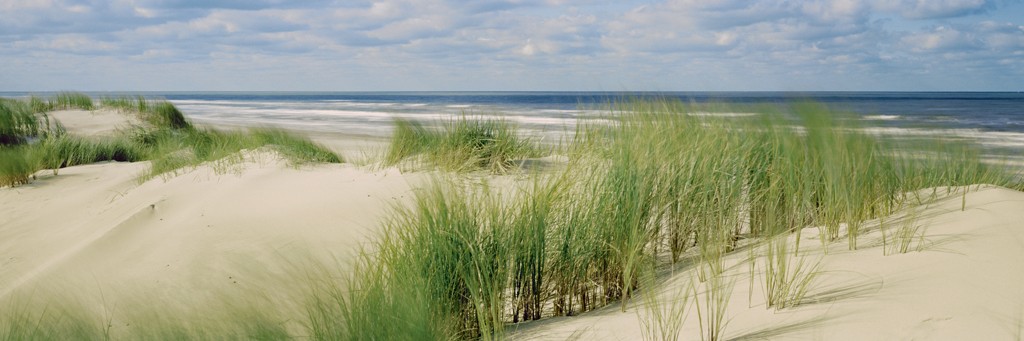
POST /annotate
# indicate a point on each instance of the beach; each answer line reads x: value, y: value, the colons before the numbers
x: 655, y: 170
x: 961, y: 284
x: 496, y: 170
x: 259, y: 238
x: 95, y: 230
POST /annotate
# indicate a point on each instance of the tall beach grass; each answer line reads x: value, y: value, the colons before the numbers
x: 17, y: 122
x: 71, y: 100
x: 167, y: 138
x: 655, y: 185
x: 460, y: 144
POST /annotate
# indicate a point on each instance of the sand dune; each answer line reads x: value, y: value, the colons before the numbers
x: 225, y: 225
x: 964, y: 284
x: 103, y: 122
x: 96, y: 222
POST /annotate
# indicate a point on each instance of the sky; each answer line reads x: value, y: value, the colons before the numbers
x: 512, y: 45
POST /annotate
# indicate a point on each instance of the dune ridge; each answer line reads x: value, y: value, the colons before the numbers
x: 95, y: 220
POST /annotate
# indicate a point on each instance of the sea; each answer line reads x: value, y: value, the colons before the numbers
x: 995, y: 120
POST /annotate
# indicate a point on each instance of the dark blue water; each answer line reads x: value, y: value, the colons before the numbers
x: 983, y: 110
x: 994, y: 119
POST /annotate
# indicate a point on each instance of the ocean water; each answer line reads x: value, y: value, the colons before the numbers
x: 993, y: 119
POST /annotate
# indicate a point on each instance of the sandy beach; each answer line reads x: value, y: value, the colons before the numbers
x: 962, y: 284
x: 95, y: 229
x: 655, y: 170
x: 96, y: 235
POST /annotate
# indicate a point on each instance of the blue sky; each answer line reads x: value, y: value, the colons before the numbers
x: 688, y: 45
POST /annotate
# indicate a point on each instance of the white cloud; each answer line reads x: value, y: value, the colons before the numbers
x: 14, y: 5
x: 932, y: 9
x: 74, y: 44
x: 712, y: 44
x: 941, y: 38
x: 981, y: 38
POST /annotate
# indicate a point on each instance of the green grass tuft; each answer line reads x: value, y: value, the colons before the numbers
x: 165, y: 114
x: 158, y: 113
x: 172, y: 150
x: 17, y: 164
x: 461, y: 145
x: 655, y: 179
x: 296, y: 149
x: 70, y: 100
x: 67, y: 151
x: 169, y: 140
x: 655, y: 186
x: 439, y: 272
x: 137, y: 104
x: 408, y: 139
x: 17, y: 122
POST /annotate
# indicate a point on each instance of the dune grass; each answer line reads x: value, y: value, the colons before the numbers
x: 39, y: 105
x: 17, y: 122
x: 71, y: 100
x: 21, y: 119
x: 296, y: 149
x: 460, y: 145
x: 21, y: 321
x: 662, y: 318
x: 898, y: 239
x: 172, y: 150
x: 60, y: 101
x: 656, y: 186
x: 788, y: 275
x: 652, y: 186
x: 165, y: 114
x: 157, y: 113
x: 17, y: 164
x: 66, y: 151
x: 167, y: 139
x: 409, y: 138
x: 72, y: 319
x: 711, y: 307
x: 448, y: 290
x: 131, y: 104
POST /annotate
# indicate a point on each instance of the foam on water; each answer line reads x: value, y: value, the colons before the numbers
x: 363, y: 117
x: 722, y: 114
x: 994, y: 120
x: 882, y: 117
x: 985, y: 138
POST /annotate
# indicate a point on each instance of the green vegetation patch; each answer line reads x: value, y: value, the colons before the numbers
x: 17, y: 164
x: 157, y: 113
x: 168, y: 139
x: 655, y: 186
x: 460, y: 145
x: 17, y: 122
x: 71, y: 100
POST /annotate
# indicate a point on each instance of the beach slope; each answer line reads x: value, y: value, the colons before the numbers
x: 960, y: 280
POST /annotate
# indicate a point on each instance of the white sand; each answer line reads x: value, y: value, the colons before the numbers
x: 966, y: 284
x: 103, y: 122
x: 95, y: 220
x: 95, y: 226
